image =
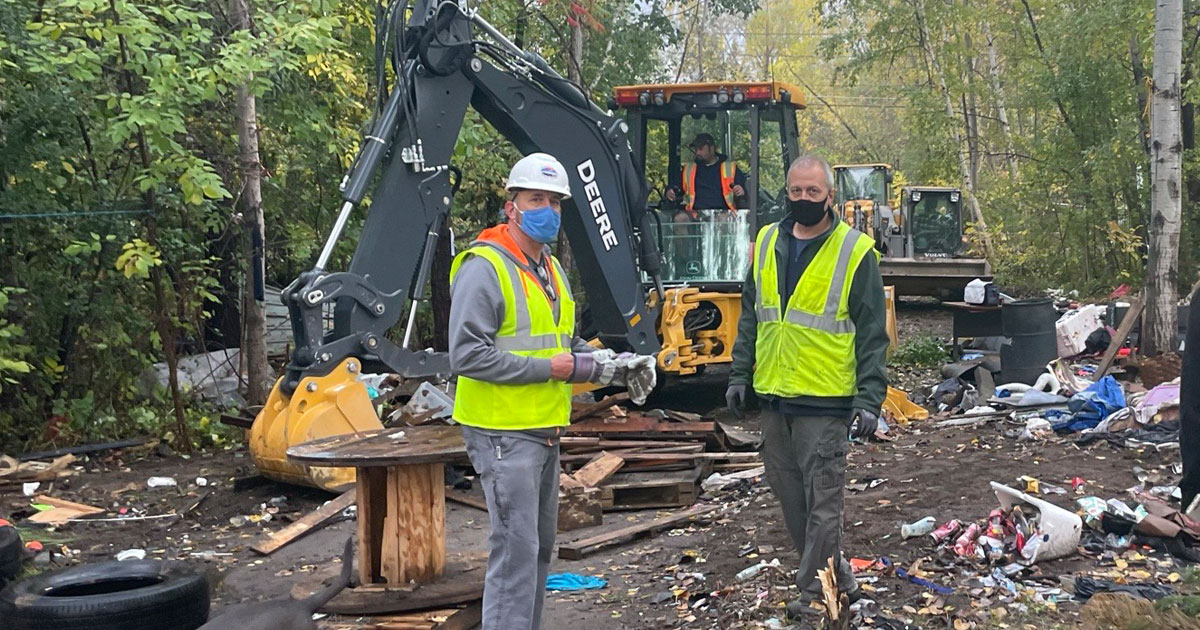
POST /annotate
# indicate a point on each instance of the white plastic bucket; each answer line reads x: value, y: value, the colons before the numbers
x: 1061, y: 527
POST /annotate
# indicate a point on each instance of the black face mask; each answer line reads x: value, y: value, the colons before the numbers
x: 805, y: 212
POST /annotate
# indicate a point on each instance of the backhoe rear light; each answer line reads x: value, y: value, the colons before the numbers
x: 758, y: 93
x: 627, y: 98
x: 738, y: 97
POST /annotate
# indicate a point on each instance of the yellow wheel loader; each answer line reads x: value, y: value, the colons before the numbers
x: 921, y: 237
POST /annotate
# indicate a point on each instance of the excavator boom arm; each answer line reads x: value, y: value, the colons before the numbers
x: 441, y: 70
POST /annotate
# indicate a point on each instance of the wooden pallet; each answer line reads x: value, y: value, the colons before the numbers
x: 642, y: 490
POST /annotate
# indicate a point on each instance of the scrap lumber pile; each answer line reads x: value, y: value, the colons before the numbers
x: 639, y: 459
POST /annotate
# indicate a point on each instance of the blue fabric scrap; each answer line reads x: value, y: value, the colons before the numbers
x: 573, y: 582
x: 902, y: 574
x: 1090, y: 406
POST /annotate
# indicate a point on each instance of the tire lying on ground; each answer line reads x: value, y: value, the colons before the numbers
x: 11, y: 554
x: 134, y: 595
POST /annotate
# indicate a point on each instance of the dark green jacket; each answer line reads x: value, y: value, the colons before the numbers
x: 867, y: 311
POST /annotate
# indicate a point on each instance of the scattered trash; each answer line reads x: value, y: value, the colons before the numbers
x: 720, y: 481
x: 751, y: 571
x: 53, y: 511
x: 919, y: 528
x: 573, y: 582
x: 132, y: 554
x: 161, y: 482
x: 30, y: 488
x: 1084, y: 587
x: 201, y: 481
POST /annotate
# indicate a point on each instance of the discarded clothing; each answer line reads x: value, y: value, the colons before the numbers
x: 573, y: 582
x: 1085, y: 587
x: 1093, y: 404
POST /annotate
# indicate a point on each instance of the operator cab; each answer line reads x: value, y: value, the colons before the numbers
x: 935, y: 222
x: 753, y: 125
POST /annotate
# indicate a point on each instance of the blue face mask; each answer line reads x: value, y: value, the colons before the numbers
x: 541, y: 224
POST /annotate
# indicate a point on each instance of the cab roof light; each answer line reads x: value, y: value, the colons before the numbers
x: 660, y: 98
x: 738, y: 97
x: 722, y: 96
x: 627, y: 98
x: 758, y: 93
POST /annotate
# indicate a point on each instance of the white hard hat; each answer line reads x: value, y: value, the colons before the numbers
x: 539, y: 171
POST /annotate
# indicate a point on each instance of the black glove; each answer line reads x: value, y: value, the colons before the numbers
x: 735, y: 399
x: 863, y: 424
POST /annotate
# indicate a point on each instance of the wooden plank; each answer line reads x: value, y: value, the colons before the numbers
x: 598, y: 469
x: 1127, y: 324
x: 388, y: 447
x: 643, y: 425
x: 371, y: 497
x: 674, y: 457
x: 434, y: 595
x: 567, y: 483
x: 465, y: 498
x: 464, y: 619
x: 414, y: 533
x: 314, y: 520
x: 579, y: 411
x: 578, y: 549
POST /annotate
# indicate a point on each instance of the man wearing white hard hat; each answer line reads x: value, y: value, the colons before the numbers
x: 513, y: 347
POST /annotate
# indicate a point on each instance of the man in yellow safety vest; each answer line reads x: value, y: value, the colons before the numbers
x: 812, y: 341
x: 513, y: 347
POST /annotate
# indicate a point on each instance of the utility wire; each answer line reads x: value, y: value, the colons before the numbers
x: 85, y: 213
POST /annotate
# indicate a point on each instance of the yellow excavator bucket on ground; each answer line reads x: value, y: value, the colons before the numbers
x: 333, y: 404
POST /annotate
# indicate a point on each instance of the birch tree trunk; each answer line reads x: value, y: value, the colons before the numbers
x: 938, y: 75
x: 254, y: 343
x: 998, y: 96
x: 1166, y: 152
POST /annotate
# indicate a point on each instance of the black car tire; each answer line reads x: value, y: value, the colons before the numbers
x: 11, y: 553
x: 136, y: 595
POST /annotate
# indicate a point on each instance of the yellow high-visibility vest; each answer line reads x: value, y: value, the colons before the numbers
x: 529, y: 329
x: 807, y: 348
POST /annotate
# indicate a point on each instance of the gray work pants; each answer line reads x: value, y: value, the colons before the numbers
x: 805, y: 458
x: 520, y: 481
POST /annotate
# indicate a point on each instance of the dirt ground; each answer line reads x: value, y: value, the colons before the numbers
x: 682, y: 578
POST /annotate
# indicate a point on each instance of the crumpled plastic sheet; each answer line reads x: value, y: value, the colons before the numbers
x: 1085, y: 587
x: 1090, y: 406
x: 573, y: 582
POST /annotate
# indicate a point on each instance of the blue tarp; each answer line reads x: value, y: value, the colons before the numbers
x: 573, y: 582
x: 1092, y: 405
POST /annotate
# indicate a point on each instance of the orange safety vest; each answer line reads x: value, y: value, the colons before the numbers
x: 728, y: 168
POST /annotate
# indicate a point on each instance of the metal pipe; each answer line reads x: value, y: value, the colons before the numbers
x: 495, y: 34
x: 412, y: 317
x: 338, y: 226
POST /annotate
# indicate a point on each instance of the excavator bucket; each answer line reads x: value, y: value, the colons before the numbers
x: 322, y: 406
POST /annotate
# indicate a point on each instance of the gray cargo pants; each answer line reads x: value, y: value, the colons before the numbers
x: 805, y: 457
x: 520, y: 480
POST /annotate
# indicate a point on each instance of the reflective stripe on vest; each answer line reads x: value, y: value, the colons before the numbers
x: 806, y: 347
x: 728, y: 168
x: 528, y: 329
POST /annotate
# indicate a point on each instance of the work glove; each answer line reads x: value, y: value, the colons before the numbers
x: 863, y: 424
x: 605, y: 367
x: 587, y: 369
x: 735, y: 399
